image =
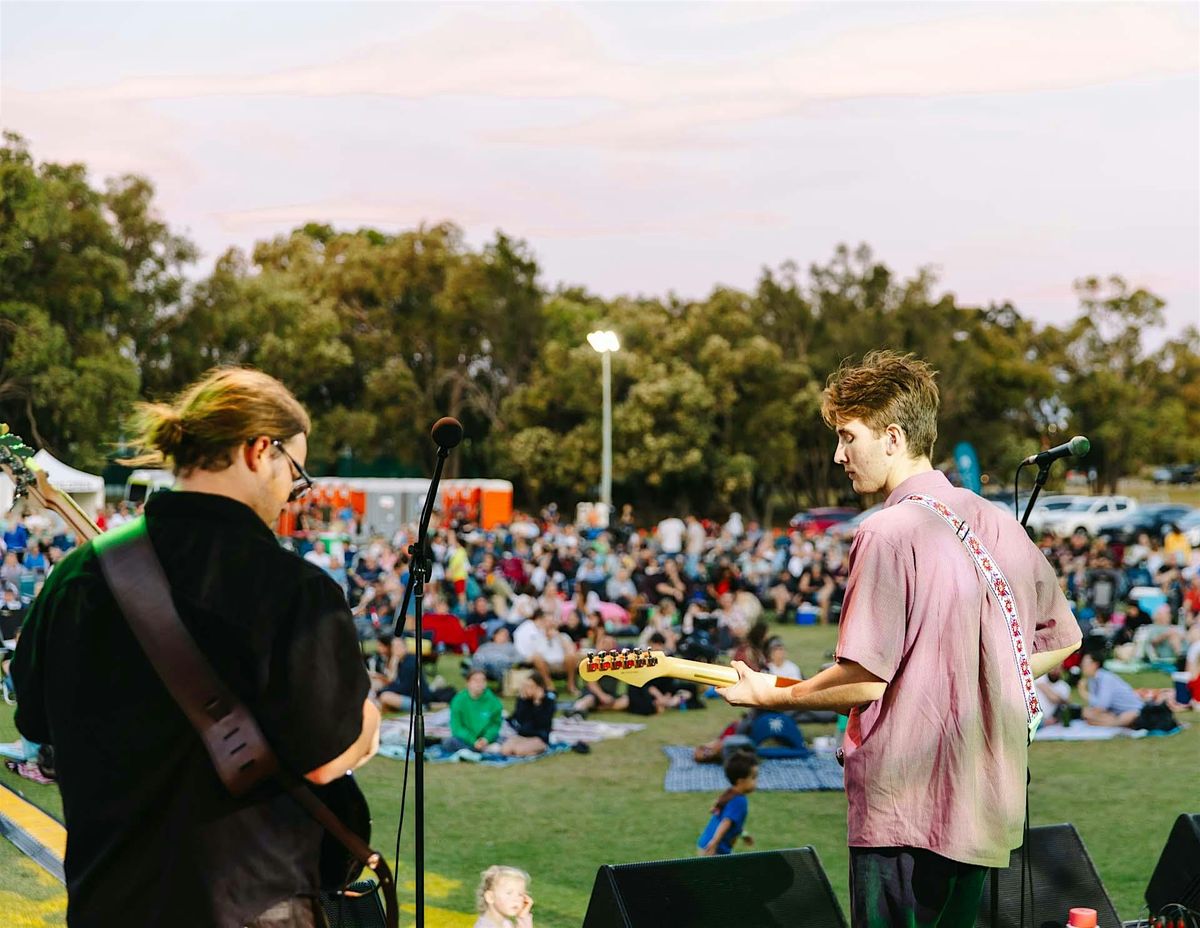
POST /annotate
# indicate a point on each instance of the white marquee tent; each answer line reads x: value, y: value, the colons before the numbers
x: 86, y: 489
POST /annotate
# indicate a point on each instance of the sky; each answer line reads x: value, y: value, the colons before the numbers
x: 648, y: 148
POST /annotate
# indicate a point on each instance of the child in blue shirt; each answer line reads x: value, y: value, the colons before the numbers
x: 729, y: 814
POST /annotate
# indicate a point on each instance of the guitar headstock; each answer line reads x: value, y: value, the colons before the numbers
x: 635, y: 666
x: 30, y: 482
x: 14, y: 455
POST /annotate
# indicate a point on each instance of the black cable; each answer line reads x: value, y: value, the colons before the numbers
x: 1016, y: 489
x: 408, y: 751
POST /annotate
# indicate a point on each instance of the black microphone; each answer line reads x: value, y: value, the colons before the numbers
x: 1076, y: 447
x: 447, y: 432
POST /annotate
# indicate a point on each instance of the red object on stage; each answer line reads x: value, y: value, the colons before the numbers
x: 1082, y: 918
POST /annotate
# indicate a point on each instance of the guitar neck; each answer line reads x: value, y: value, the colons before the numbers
x: 50, y: 497
x: 639, y: 667
x: 712, y: 674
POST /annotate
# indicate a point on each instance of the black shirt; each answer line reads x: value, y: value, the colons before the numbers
x: 533, y: 720
x: 153, y: 837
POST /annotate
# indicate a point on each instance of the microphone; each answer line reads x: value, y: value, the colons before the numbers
x: 447, y: 432
x: 1076, y: 447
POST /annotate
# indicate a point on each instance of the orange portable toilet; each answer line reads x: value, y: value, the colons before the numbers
x: 496, y: 503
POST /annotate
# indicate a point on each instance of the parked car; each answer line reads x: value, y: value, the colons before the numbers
x: 1151, y: 518
x: 815, y: 521
x: 1091, y: 513
x: 845, y: 530
x: 1185, y: 473
x: 1048, y: 509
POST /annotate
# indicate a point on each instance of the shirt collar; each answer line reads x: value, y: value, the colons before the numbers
x: 929, y: 482
x: 213, y: 507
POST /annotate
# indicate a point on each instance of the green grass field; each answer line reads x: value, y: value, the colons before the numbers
x: 563, y: 817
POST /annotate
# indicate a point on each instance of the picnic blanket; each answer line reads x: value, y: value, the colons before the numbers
x: 435, y: 754
x: 393, y: 739
x: 818, y: 772
x: 1078, y: 731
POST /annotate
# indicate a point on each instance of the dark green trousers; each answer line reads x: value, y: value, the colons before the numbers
x: 905, y: 887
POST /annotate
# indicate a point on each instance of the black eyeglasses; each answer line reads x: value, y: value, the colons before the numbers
x: 301, y: 484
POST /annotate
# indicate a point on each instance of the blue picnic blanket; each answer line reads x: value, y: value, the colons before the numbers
x: 817, y: 772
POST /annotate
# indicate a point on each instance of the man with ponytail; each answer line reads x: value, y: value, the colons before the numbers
x: 153, y: 836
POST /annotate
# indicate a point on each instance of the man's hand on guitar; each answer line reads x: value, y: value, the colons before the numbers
x: 752, y: 689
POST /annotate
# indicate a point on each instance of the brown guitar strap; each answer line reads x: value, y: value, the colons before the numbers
x: 238, y: 749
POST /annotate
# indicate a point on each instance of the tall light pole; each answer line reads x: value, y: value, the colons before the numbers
x: 606, y: 342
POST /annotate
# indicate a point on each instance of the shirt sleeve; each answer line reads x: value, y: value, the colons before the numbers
x: 312, y: 709
x: 1055, y: 626
x: 874, y: 611
x: 1100, y: 692
x: 459, y: 709
x: 736, y: 811
x: 491, y: 729
x: 28, y: 667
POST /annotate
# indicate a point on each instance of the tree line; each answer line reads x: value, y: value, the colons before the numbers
x: 716, y: 400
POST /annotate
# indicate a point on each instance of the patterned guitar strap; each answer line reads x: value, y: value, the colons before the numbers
x: 1001, y: 589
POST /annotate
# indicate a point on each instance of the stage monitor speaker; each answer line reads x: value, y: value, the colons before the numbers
x: 1063, y: 878
x: 771, y: 889
x: 364, y: 911
x: 1176, y: 879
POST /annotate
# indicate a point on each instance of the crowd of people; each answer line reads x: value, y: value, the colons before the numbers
x: 534, y: 594
x: 522, y: 602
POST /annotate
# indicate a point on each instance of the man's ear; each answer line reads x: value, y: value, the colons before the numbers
x: 256, y: 452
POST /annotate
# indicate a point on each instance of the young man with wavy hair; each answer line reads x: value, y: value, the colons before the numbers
x: 936, y: 749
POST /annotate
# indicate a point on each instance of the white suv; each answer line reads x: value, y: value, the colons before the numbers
x: 1091, y: 513
x: 1047, y: 510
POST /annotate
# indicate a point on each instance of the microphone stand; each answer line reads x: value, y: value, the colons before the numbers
x: 420, y: 570
x: 1026, y: 865
x: 1038, y: 483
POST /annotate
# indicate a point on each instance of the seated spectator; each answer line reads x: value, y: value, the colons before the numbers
x: 669, y: 584
x: 475, y: 715
x: 365, y: 573
x: 496, y: 656
x: 662, y: 621
x: 620, y: 589
x: 380, y: 665
x: 540, y: 643
x: 816, y: 587
x: 16, y: 537
x: 320, y: 556
x: 1111, y: 702
x: 732, y: 624
x: 654, y: 698
x: 784, y: 596
x: 399, y: 692
x: 35, y: 558
x: 1054, y: 693
x: 1177, y: 550
x: 603, y: 694
x: 1161, y: 640
x: 503, y: 899
x: 1124, y: 625
x: 531, y: 721
x: 752, y: 651
x: 481, y: 612
x: 11, y: 569
x: 1191, y: 600
x: 12, y: 612
x: 778, y: 662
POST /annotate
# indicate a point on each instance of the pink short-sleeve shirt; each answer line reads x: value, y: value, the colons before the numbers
x: 940, y: 761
